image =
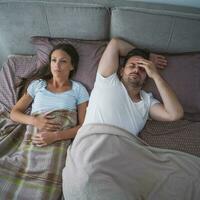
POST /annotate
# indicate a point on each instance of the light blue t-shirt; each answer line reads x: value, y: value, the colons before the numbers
x: 45, y: 100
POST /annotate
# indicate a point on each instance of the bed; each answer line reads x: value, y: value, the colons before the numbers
x: 171, y: 150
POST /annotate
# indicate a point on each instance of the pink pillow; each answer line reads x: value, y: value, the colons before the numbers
x: 183, y: 74
x: 90, y: 53
x: 13, y: 71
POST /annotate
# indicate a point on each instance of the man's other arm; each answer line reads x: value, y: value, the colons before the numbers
x: 109, y: 62
x: 171, y: 108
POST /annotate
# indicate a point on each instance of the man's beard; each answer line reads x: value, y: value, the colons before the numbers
x: 134, y: 82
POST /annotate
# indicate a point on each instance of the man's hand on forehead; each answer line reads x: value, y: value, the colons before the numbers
x: 148, y: 66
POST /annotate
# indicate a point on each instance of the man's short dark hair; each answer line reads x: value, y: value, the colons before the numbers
x: 144, y: 53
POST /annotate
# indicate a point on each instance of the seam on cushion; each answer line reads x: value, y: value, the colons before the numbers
x: 171, y: 32
x: 45, y: 12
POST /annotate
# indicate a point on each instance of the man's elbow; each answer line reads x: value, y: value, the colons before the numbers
x: 177, y: 115
x: 114, y: 42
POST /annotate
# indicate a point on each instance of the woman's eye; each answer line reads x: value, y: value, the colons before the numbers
x: 53, y: 60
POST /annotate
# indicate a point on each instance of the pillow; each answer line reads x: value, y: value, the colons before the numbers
x: 183, y: 74
x: 89, y: 52
x: 13, y: 71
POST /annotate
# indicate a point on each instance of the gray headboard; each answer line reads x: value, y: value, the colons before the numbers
x: 159, y: 27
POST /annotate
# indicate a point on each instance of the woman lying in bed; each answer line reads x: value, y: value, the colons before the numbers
x: 54, y: 91
x: 58, y: 110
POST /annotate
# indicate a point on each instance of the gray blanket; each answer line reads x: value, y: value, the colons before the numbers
x: 108, y: 163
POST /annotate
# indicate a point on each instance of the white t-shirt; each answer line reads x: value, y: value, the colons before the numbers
x: 110, y: 104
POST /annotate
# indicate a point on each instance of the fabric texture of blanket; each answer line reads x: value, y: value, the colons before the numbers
x: 106, y: 163
x: 31, y: 172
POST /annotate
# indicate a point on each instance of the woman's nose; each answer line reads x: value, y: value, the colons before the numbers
x: 57, y: 64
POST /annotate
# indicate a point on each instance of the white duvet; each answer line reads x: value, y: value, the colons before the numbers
x: 108, y: 163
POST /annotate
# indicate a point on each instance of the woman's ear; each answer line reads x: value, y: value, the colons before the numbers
x: 72, y: 68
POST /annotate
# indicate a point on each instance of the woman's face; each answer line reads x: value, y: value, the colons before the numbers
x: 61, y: 65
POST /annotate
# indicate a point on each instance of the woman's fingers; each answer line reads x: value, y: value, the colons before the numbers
x: 49, y: 117
x: 48, y: 123
x: 37, y: 140
x: 52, y: 126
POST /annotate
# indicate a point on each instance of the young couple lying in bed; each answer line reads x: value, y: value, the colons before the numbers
x: 117, y: 98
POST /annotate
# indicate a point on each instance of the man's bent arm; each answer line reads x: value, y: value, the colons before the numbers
x: 171, y: 109
x: 109, y: 62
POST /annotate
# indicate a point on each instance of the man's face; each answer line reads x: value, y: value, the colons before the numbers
x: 132, y: 74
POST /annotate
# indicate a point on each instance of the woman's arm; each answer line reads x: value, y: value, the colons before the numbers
x: 41, y: 122
x: 18, y: 112
x: 45, y: 137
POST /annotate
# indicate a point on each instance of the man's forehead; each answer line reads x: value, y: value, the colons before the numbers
x: 133, y: 59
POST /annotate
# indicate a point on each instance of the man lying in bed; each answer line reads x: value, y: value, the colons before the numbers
x: 119, y: 99
x: 105, y: 161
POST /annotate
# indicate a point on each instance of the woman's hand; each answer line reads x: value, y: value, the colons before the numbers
x: 44, y: 138
x: 159, y: 60
x: 46, y: 123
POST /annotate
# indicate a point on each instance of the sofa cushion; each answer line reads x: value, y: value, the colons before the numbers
x: 19, y: 20
x: 183, y: 74
x: 159, y: 30
x: 90, y: 53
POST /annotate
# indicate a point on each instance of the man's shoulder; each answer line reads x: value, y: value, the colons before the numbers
x: 110, y: 78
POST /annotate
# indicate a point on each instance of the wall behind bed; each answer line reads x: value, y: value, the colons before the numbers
x: 160, y: 27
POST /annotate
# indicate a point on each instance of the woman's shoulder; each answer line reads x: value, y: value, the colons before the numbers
x: 77, y: 85
x: 39, y: 83
x: 79, y: 89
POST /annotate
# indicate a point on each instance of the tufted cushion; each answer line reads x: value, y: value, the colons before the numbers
x: 90, y: 53
x: 183, y: 74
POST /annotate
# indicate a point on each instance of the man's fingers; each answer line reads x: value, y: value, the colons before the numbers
x: 161, y: 56
x: 161, y: 66
x: 161, y: 61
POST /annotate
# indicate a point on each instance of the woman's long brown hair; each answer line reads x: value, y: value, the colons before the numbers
x: 45, y: 71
